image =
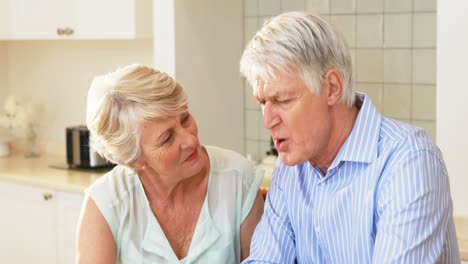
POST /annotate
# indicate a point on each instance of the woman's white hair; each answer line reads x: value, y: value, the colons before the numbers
x: 120, y: 101
x: 299, y: 43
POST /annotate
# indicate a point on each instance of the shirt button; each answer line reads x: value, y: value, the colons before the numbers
x: 322, y: 183
x: 317, y: 229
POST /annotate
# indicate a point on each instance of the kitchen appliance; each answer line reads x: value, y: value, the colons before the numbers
x: 79, y: 154
x: 272, y: 150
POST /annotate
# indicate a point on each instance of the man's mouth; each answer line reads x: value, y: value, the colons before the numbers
x: 279, y: 140
x: 280, y: 144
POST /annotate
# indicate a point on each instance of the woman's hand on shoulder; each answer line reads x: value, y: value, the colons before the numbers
x: 95, y: 243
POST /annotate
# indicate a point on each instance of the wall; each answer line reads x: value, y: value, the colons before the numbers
x: 55, y: 76
x: 452, y: 94
x: 393, y: 48
x: 203, y: 53
x: 3, y: 70
x: 3, y: 80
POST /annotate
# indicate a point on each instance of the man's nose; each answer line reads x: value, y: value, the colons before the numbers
x: 270, y: 117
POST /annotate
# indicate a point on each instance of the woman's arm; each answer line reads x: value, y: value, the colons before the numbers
x: 95, y: 243
x: 248, y: 226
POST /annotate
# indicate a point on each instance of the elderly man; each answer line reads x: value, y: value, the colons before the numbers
x: 350, y: 185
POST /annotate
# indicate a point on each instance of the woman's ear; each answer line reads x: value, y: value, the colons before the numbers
x: 335, y: 86
x: 139, y: 165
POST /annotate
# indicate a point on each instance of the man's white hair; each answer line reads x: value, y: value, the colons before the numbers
x: 303, y: 44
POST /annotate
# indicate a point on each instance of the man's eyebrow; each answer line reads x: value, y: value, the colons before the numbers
x: 257, y: 97
x: 274, y: 96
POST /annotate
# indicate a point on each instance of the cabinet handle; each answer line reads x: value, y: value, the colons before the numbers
x: 47, y: 196
x: 69, y: 31
x: 65, y: 31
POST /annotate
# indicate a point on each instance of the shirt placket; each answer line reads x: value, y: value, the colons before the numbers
x: 319, y: 196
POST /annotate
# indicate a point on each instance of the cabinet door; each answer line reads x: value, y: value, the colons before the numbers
x: 69, y: 206
x: 5, y: 19
x: 104, y: 19
x: 76, y: 19
x: 27, y: 224
x: 40, y: 19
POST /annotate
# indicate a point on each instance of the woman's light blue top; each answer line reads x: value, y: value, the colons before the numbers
x: 232, y: 189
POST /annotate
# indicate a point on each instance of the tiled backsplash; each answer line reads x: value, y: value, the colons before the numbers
x: 393, y: 47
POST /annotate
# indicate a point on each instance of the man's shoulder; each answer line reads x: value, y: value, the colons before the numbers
x: 402, y: 143
x: 404, y: 137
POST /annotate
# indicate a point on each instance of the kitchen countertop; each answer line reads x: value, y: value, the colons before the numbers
x: 461, y: 225
x: 267, y: 164
x: 38, y: 172
x: 42, y: 172
x: 463, y: 246
x: 50, y: 171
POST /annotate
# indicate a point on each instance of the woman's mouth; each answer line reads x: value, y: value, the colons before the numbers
x: 193, y: 156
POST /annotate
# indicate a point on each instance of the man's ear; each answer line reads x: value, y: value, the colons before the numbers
x: 335, y: 86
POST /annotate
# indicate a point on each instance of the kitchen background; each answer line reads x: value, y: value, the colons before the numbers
x: 393, y: 45
x: 55, y: 74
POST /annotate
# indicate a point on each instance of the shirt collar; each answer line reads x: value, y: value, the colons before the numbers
x: 362, y: 143
x: 205, y: 234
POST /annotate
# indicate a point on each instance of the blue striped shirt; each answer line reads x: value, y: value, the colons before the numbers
x: 384, y: 199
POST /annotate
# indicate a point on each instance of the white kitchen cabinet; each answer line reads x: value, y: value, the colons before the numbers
x: 28, y: 224
x: 69, y: 207
x: 5, y: 19
x: 38, y: 19
x: 80, y: 19
x: 37, y: 225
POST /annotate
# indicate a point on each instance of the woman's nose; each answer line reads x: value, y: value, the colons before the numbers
x: 189, y: 139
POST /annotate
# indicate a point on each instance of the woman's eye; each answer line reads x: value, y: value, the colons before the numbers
x: 168, y: 139
x: 186, y: 119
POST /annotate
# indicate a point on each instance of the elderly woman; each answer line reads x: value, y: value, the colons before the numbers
x: 170, y: 199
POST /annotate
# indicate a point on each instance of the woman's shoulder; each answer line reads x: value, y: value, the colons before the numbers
x: 114, y: 185
x: 225, y: 162
x: 222, y: 159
